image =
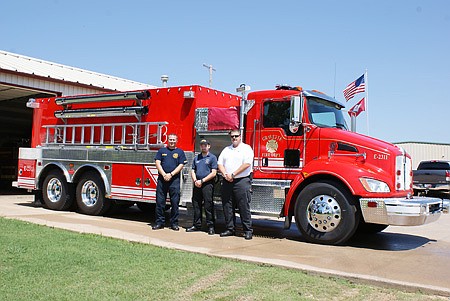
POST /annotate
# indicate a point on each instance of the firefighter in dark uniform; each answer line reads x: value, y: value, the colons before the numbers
x: 204, y: 169
x: 169, y: 162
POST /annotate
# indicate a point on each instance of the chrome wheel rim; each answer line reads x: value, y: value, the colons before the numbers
x: 89, y: 193
x: 324, y: 213
x: 54, y: 190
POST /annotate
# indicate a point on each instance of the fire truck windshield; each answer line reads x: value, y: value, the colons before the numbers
x: 324, y: 113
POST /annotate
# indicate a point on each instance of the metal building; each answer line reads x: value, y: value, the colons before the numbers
x: 23, y: 77
x: 421, y: 151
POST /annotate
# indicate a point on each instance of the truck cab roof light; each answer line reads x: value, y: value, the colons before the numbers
x: 287, y: 87
x: 317, y: 91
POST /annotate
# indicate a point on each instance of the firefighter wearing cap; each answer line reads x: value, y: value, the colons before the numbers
x: 204, y: 169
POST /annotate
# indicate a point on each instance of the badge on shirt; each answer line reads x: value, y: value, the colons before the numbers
x: 175, y: 155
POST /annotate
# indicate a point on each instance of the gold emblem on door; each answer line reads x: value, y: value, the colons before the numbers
x: 271, y: 146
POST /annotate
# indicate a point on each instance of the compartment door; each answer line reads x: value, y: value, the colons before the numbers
x: 127, y: 181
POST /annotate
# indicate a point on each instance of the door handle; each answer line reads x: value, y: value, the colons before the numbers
x: 138, y: 181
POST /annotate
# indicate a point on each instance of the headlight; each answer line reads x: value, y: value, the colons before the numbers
x: 372, y: 185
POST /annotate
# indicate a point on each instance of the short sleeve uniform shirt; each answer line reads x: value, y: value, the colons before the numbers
x: 204, y: 165
x: 170, y: 159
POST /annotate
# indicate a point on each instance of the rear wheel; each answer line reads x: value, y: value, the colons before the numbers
x: 325, y: 213
x: 91, y: 195
x: 56, y: 192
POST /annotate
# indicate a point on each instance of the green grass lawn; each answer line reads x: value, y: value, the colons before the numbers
x: 41, y: 263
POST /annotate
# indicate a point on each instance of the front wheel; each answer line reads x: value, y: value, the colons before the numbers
x: 325, y: 213
x: 91, y: 195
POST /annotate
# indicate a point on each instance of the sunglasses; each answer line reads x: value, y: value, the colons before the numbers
x: 234, y: 136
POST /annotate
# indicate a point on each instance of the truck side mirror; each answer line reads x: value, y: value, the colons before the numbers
x: 296, y: 113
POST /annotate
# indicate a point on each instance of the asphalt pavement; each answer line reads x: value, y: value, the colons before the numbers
x: 409, y: 258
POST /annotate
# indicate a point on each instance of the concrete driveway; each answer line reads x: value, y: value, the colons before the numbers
x: 412, y: 258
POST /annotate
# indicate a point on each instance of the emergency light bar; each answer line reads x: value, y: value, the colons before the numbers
x: 103, y: 97
x: 101, y: 112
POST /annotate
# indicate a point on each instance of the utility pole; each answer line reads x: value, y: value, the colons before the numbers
x: 211, y: 69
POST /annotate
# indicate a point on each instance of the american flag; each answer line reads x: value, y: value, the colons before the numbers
x: 357, y: 108
x: 355, y: 87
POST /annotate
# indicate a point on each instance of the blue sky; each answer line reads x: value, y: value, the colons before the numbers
x: 323, y: 45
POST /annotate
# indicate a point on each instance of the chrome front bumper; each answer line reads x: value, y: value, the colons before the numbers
x: 402, y: 211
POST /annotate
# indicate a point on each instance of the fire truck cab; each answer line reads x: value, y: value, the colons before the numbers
x: 90, y: 151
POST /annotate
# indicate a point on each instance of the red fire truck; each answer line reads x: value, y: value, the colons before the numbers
x: 90, y: 151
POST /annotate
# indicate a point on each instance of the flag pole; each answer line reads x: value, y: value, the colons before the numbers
x: 366, y: 80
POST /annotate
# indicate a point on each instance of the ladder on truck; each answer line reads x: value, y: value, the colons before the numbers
x: 120, y: 135
x: 137, y: 135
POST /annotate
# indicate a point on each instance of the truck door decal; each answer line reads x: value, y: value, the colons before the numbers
x: 279, y: 149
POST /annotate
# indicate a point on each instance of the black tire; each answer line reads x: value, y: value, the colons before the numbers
x: 57, y: 194
x: 325, y: 213
x: 90, y: 195
x: 146, y: 207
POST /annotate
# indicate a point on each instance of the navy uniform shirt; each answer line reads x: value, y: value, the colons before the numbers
x: 204, y: 165
x: 170, y: 159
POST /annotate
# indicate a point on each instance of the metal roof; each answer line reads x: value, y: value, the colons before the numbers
x: 35, y: 67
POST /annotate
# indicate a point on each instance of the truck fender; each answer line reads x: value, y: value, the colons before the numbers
x: 313, y: 176
x: 44, y: 171
x: 79, y: 172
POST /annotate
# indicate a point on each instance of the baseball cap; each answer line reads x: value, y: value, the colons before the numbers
x: 204, y: 141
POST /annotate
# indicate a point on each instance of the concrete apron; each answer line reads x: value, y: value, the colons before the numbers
x: 409, y: 258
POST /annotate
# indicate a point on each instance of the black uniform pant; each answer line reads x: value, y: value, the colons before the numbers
x: 162, y: 188
x: 237, y: 194
x: 203, y: 196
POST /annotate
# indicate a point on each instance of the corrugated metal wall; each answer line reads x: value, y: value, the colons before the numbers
x: 425, y: 151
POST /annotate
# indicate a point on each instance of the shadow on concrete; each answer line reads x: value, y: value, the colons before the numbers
x: 387, y: 241
x: 270, y: 228
x: 14, y: 191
